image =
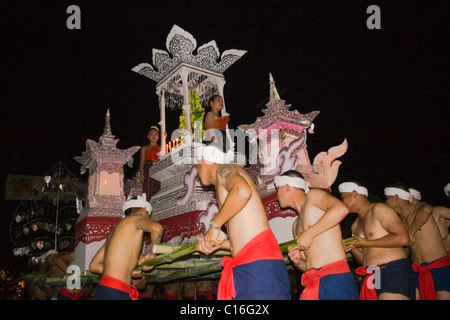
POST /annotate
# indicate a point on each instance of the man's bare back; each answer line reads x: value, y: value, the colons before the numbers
x: 121, y: 251
x: 252, y: 218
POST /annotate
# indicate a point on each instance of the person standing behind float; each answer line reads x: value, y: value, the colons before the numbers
x: 256, y: 269
x: 215, y: 125
x: 149, y: 155
x: 320, y: 249
x: 428, y: 253
x: 118, y: 256
x: 381, y: 238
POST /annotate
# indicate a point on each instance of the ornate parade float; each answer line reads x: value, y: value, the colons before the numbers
x: 274, y: 143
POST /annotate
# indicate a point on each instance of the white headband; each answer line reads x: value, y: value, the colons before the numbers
x: 215, y: 155
x: 415, y: 194
x: 140, y: 202
x: 351, y: 186
x: 296, y: 182
x: 45, y: 255
x: 447, y: 188
x: 402, y: 194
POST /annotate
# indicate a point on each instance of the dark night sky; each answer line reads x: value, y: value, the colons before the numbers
x: 386, y: 91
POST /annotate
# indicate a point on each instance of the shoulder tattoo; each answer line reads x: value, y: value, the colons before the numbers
x: 225, y: 171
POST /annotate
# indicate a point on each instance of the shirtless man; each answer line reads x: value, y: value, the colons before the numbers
x: 320, y: 250
x: 428, y: 253
x: 117, y: 258
x: 37, y: 291
x: 256, y: 269
x: 63, y: 261
x: 441, y: 215
x: 379, y: 247
x: 54, y: 270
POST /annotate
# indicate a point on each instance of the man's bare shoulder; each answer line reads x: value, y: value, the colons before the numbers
x: 226, y: 170
x: 380, y: 209
x: 379, y: 206
x: 423, y: 207
x: 317, y: 192
x: 319, y: 198
x: 441, y: 211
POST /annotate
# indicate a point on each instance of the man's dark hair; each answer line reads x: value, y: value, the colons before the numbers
x: 293, y: 174
x: 131, y: 210
x: 400, y: 185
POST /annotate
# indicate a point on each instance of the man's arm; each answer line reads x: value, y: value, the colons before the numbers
x: 397, y: 234
x: 62, y: 262
x: 156, y: 233
x: 423, y: 213
x: 239, y: 193
x: 334, y: 212
x: 441, y: 213
x: 96, y: 265
x: 357, y: 253
x: 153, y: 227
x: 297, y: 257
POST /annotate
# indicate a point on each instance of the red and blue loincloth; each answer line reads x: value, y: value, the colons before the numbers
x: 432, y: 277
x: 394, y: 277
x: 333, y: 281
x: 110, y: 288
x: 65, y: 294
x: 258, y: 271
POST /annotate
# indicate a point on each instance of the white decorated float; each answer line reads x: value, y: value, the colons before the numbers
x: 274, y: 143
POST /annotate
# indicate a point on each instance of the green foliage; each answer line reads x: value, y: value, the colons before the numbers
x: 197, y: 114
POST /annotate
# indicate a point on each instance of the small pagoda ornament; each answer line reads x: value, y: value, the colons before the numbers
x: 105, y: 193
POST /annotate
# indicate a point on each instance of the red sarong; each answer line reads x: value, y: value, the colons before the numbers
x: 262, y: 246
x: 71, y: 295
x: 311, y: 278
x: 426, y: 284
x: 367, y: 289
x: 114, y: 283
